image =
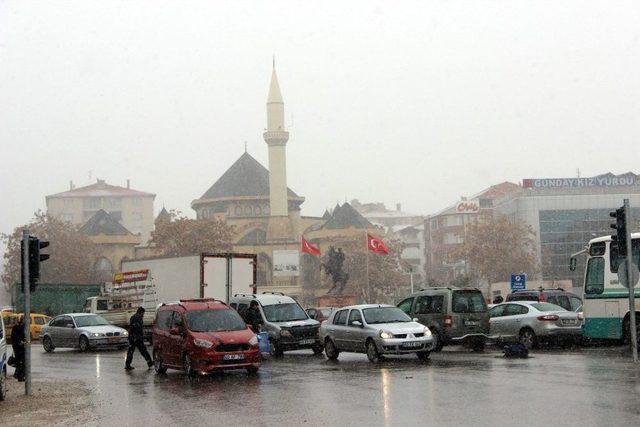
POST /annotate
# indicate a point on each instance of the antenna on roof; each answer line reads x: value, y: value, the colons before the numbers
x: 245, y: 146
x: 274, y: 61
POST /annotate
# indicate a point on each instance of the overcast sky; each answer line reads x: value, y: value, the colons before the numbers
x: 410, y: 102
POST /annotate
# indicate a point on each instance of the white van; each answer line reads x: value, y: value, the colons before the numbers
x: 3, y: 360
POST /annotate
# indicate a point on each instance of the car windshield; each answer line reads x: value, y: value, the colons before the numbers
x: 468, y: 302
x: 82, y: 321
x: 385, y: 315
x: 214, y: 321
x: 284, y: 312
x: 545, y: 306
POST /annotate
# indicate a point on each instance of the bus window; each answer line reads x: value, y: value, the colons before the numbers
x: 614, y: 259
x: 594, y: 283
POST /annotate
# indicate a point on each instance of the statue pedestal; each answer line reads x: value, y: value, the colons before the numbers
x: 337, y: 300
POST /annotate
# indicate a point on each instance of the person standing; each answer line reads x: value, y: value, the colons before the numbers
x: 136, y: 339
x: 17, y: 342
x: 253, y: 317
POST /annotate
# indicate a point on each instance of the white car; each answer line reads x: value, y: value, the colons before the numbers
x: 84, y: 331
x: 374, y: 329
x: 3, y: 361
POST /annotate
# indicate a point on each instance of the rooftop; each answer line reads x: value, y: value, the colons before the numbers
x: 103, y: 223
x: 102, y: 189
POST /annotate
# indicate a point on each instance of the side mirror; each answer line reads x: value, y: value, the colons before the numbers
x: 572, y: 264
x: 174, y: 331
x: 357, y: 323
x: 415, y: 319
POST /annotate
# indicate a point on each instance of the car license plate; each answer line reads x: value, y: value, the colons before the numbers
x: 412, y: 344
x: 569, y: 322
x: 114, y: 339
x: 308, y: 341
x: 471, y: 322
x: 233, y: 357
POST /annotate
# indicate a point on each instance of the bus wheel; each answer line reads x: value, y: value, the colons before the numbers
x: 626, y: 330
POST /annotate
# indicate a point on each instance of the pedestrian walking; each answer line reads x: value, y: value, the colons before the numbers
x: 253, y: 317
x: 136, y: 339
x: 18, y: 339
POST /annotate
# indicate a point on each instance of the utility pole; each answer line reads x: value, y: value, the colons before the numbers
x: 632, y: 302
x: 26, y: 286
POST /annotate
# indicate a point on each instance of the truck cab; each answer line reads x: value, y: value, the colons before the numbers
x: 96, y: 305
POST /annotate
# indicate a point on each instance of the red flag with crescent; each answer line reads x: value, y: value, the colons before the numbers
x: 310, y: 248
x: 376, y: 245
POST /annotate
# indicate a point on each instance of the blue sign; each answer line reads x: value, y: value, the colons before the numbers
x: 518, y: 282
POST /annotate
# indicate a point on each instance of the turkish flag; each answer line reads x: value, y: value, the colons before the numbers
x: 310, y: 248
x: 376, y: 245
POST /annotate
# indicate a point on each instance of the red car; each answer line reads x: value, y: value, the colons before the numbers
x: 200, y: 336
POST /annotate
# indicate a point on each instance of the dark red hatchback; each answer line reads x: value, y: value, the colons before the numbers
x: 200, y: 336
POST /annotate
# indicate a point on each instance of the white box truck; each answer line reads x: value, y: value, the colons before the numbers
x: 208, y: 275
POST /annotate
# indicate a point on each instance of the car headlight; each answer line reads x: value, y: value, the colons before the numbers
x: 97, y: 334
x: 253, y: 341
x: 285, y: 333
x: 427, y: 332
x: 386, y: 335
x: 202, y: 343
x: 125, y: 333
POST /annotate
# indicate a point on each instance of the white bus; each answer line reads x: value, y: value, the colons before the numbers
x: 605, y: 300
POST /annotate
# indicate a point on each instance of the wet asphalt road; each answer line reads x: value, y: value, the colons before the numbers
x: 586, y: 387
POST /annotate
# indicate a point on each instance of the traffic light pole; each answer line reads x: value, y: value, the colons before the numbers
x: 26, y: 285
x: 632, y: 302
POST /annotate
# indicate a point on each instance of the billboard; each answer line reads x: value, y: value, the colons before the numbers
x: 468, y: 206
x: 286, y: 263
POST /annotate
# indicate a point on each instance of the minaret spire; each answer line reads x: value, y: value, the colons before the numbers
x: 276, y: 138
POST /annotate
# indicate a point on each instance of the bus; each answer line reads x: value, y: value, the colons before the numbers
x: 605, y: 300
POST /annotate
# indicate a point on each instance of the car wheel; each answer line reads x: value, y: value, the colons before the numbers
x: 330, y: 350
x: 187, y: 364
x: 157, y: 364
x: 528, y: 338
x: 3, y: 384
x: 47, y: 344
x: 252, y: 370
x: 83, y: 343
x: 372, y: 352
x: 478, y: 346
x: 437, y: 340
x: 423, y: 355
x: 275, y: 349
x: 626, y: 331
x: 317, y: 349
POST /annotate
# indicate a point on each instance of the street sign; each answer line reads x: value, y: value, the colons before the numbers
x: 518, y: 282
x: 622, y: 274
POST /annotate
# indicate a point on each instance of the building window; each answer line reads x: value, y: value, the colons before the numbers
x: 137, y: 201
x: 452, y: 220
x: 136, y: 216
x: 114, y: 202
x: 434, y: 224
x: 68, y: 202
x: 67, y: 217
x: 248, y: 211
x: 452, y: 238
x: 238, y: 210
x: 92, y: 203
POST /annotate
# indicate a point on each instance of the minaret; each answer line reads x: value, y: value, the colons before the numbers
x: 276, y: 138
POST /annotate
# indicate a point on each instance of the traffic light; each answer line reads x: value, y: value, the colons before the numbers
x: 621, y: 227
x: 35, y: 258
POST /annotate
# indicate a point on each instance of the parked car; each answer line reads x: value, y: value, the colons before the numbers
x: 83, y: 331
x: 558, y: 296
x: 374, y: 329
x: 200, y: 336
x: 454, y: 315
x: 532, y: 322
x: 287, y: 324
x: 37, y: 322
x: 9, y: 319
x: 320, y: 313
x: 3, y: 360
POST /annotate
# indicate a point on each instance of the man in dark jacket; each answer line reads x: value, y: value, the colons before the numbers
x: 253, y: 317
x: 136, y: 339
x: 17, y: 342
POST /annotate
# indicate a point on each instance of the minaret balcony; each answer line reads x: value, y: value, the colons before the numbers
x: 276, y: 137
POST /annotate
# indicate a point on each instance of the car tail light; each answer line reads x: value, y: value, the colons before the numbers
x: 448, y: 321
x: 552, y: 317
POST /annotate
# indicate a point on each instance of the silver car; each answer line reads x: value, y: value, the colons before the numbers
x: 82, y: 330
x: 531, y: 322
x: 374, y: 329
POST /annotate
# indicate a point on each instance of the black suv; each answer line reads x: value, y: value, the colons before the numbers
x: 557, y: 296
